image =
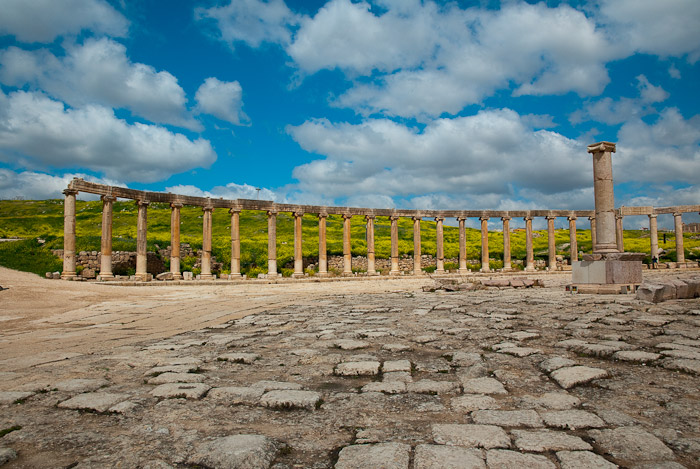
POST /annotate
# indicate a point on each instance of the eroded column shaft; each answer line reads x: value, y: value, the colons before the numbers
x: 271, y: 244
x: 106, y: 244
x: 606, y: 241
x: 347, y: 246
x: 678, y: 225
x: 235, y: 242
x: 654, y: 236
x: 440, y: 245
x: 462, y: 246
x: 506, y: 243
x: 322, y: 256
x: 530, y: 255
x: 485, y: 244
x: 206, y: 243
x: 416, y: 247
x: 69, y: 235
x: 551, y: 244
x: 298, y: 252
x: 371, y: 268
x: 141, y: 240
x: 175, y: 240
x: 394, y: 246
x: 594, y: 238
x: 573, y: 243
x: 619, y: 233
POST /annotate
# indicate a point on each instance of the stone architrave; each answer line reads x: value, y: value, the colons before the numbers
x: 322, y: 256
x: 654, y: 235
x: 371, y: 268
x: 272, y: 243
x: 106, y: 244
x: 678, y: 225
x: 417, y: 270
x: 141, y: 240
x: 69, y: 235
x: 619, y: 233
x: 604, y: 197
x: 394, y: 246
x: 462, y: 246
x: 298, y: 253
x: 573, y: 243
x: 506, y: 243
x: 551, y: 244
x: 175, y: 240
x: 485, y: 244
x: 439, y: 237
x: 206, y: 243
x: 530, y: 254
x: 347, y: 246
x: 235, y: 242
x: 594, y: 239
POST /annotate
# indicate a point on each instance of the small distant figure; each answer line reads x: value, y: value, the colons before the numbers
x: 664, y: 238
x: 654, y: 261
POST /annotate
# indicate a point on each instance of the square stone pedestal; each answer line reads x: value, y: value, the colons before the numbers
x: 607, y: 273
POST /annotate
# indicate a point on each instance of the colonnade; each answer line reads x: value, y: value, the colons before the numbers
x: 143, y: 200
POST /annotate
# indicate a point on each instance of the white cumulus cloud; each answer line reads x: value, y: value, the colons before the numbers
x: 231, y: 191
x: 37, y: 186
x: 222, y: 99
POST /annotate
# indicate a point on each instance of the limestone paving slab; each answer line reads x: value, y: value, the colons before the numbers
x: 236, y: 394
x: 350, y: 344
x: 471, y: 402
x: 396, y: 347
x: 482, y: 386
x: 520, y: 351
x: 632, y: 444
x: 464, y: 359
x: 555, y: 363
x: 80, y: 385
x: 583, y: 460
x: 387, y: 387
x: 552, y: 401
x: 94, y: 401
x: 429, y: 386
x: 290, y: 399
x: 181, y: 390
x: 176, y: 378
x: 10, y: 397
x: 237, y: 452
x: 506, y: 459
x: 179, y: 368
x: 470, y: 435
x: 636, y: 356
x: 380, y: 455
x: 447, y: 457
x: 507, y: 418
x: 269, y: 385
x: 7, y: 455
x: 240, y: 357
x: 687, y: 366
x: 396, y: 365
x: 543, y: 441
x: 572, y: 419
x: 569, y: 377
x: 363, y: 368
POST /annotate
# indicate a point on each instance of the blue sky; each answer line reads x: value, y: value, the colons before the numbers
x: 388, y: 103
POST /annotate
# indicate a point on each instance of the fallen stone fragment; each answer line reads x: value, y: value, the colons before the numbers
x: 236, y: 394
x: 181, y: 390
x: 632, y: 444
x: 176, y: 378
x: 555, y: 363
x: 596, y: 350
x: 365, y: 368
x: 266, y: 385
x: 470, y: 435
x: 387, y: 387
x: 572, y: 419
x: 543, y: 441
x: 583, y: 460
x: 496, y: 282
x: 424, y: 339
x: 520, y: 351
x: 291, y: 399
x: 636, y: 356
x: 505, y: 459
x: 349, y: 344
x: 507, y: 418
x: 687, y: 366
x: 396, y: 347
x: 396, y: 365
x: 447, y: 457
x: 7, y: 454
x: 239, y: 357
x: 94, y: 401
x: 384, y: 455
x: 652, y: 293
x: 164, y: 276
x: 81, y: 385
x: 570, y: 343
x: 10, y: 397
x: 428, y: 386
x: 523, y: 335
x: 471, y: 402
x: 573, y: 376
x: 553, y: 401
x: 237, y: 452
x: 483, y: 386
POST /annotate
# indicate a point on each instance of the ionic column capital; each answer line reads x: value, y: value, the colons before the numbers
x: 484, y: 218
x: 652, y: 215
x: 601, y: 147
x: 322, y: 215
x: 298, y: 214
x: 527, y: 218
x: 176, y: 205
x: 369, y: 217
x: 591, y: 218
x: 550, y: 217
x: 394, y: 217
x: 677, y: 214
x: 347, y: 216
x: 416, y: 218
x: 461, y: 218
x: 142, y: 203
x: 439, y: 218
x: 207, y: 209
x: 271, y: 213
x: 108, y: 198
x: 506, y: 218
x: 619, y: 216
x: 70, y: 192
x: 572, y: 218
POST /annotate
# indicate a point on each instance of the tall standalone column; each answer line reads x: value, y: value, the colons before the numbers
x: 530, y: 254
x: 235, y: 242
x: 654, y: 236
x: 298, y: 253
x: 175, y: 240
x: 106, y: 245
x: 347, y: 246
x: 206, y: 243
x: 394, y: 246
x: 485, y: 244
x: 678, y: 225
x: 573, y: 243
x: 462, y: 246
x: 604, y: 197
x: 440, y: 241
x: 272, y: 243
x: 322, y: 256
x: 551, y: 244
x: 416, y: 247
x: 141, y: 240
x: 619, y: 233
x: 506, y: 243
x: 69, y: 235
x: 371, y: 268
x: 594, y: 238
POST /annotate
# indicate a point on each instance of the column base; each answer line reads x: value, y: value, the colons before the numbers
x: 395, y: 272
x: 463, y: 271
x: 105, y: 277
x: 141, y: 277
x: 530, y: 268
x: 272, y: 275
x: 322, y: 274
x: 348, y: 274
x: 235, y: 276
x: 69, y: 276
x: 418, y: 273
x: 177, y: 275
x: 373, y: 273
x: 439, y: 271
x: 206, y: 277
x: 482, y: 270
x: 298, y: 275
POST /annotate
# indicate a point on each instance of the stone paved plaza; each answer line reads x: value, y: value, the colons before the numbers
x: 364, y: 374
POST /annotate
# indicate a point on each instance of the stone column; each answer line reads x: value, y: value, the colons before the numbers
x: 573, y: 243
x: 485, y: 244
x: 175, y: 240
x: 551, y: 244
x: 394, y: 246
x: 604, y: 197
x: 347, y: 246
x: 298, y: 253
x: 371, y: 268
x: 141, y: 241
x: 619, y: 233
x: 506, y: 243
x: 271, y: 244
x: 654, y: 236
x: 106, y: 245
x: 235, y: 242
x: 678, y: 225
x: 440, y: 254
x: 594, y: 238
x: 206, y: 244
x: 69, y: 235
x: 530, y: 254
x: 416, y: 247
x: 462, y: 247
x: 322, y: 257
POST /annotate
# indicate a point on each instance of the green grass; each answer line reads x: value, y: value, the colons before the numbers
x: 44, y: 218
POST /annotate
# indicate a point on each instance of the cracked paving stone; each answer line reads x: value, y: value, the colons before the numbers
x: 290, y: 399
x: 681, y: 364
x: 396, y: 365
x: 239, y: 357
x: 181, y: 390
x: 447, y: 457
x: 507, y: 418
x: 425, y: 339
x: 636, y: 356
x: 396, y: 347
x: 471, y: 402
x: 505, y: 459
x: 543, y: 441
x: 176, y: 378
x: 237, y: 452
x: 470, y: 435
x: 7, y: 455
x: 401, y: 376
x: 81, y: 385
x: 555, y: 363
x: 523, y: 335
x: 520, y: 351
x: 95, y: 401
x: 572, y: 419
x: 464, y: 359
x: 180, y: 368
x: 364, y: 368
x: 10, y: 397
x: 236, y: 394
x: 483, y: 386
x: 583, y: 460
x: 381, y: 455
x: 267, y: 385
x: 632, y: 444
x: 575, y: 375
x: 552, y: 400
x: 429, y: 386
x: 387, y: 387
x: 350, y: 344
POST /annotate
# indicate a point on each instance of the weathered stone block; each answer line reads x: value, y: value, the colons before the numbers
x: 237, y: 452
x: 471, y: 435
x: 384, y: 455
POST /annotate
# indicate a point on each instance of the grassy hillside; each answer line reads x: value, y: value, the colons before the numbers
x: 44, y: 219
